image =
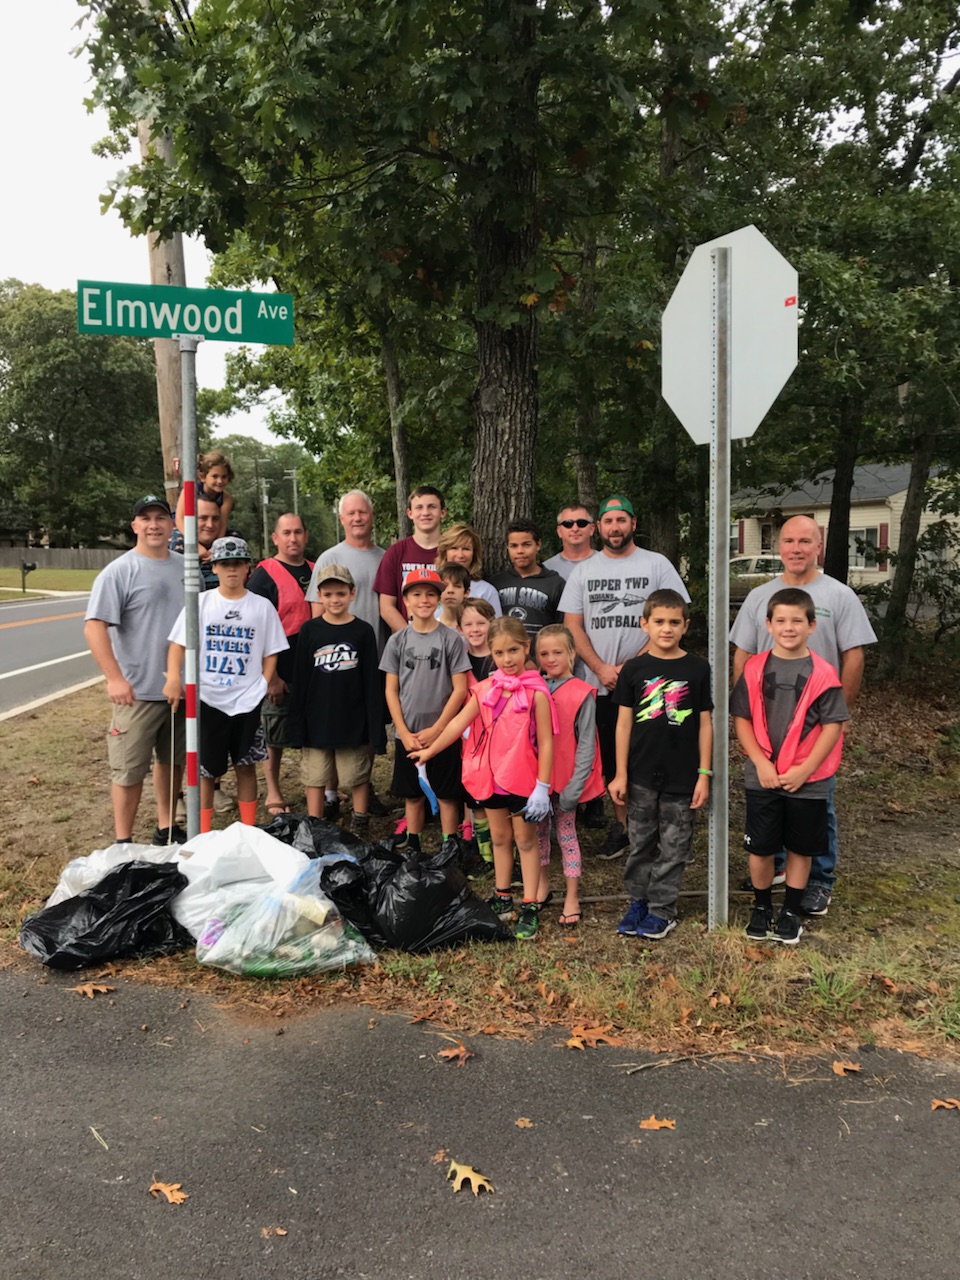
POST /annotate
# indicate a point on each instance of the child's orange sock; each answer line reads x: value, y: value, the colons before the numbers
x: 248, y: 812
x: 206, y: 819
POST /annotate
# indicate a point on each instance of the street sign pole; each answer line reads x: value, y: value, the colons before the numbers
x: 719, y: 561
x: 191, y: 577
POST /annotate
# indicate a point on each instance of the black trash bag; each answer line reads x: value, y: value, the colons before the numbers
x: 414, y: 904
x: 126, y: 914
x: 312, y: 836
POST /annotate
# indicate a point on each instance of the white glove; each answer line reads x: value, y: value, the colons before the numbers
x: 538, y: 804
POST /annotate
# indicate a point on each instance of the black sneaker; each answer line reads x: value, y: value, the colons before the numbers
x: 528, y: 922
x: 788, y: 929
x: 502, y: 907
x: 376, y: 807
x: 360, y: 825
x: 331, y: 809
x: 761, y: 923
x: 592, y: 816
x: 615, y: 843
x: 163, y: 837
x: 816, y: 900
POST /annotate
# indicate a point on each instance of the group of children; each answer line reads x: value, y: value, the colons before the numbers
x: 508, y: 737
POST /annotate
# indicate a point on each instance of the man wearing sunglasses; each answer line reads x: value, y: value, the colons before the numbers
x: 575, y: 528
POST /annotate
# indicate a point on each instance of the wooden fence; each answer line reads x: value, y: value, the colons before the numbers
x: 57, y: 557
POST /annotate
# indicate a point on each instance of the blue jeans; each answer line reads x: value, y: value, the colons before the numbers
x: 823, y: 866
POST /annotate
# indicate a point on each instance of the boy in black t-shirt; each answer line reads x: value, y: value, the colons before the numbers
x: 664, y: 741
x: 336, y: 699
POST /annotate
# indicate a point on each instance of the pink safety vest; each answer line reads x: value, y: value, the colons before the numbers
x: 499, y: 751
x: 793, y: 750
x: 291, y: 602
x: 568, y: 698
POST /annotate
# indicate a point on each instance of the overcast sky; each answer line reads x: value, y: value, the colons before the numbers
x: 53, y: 232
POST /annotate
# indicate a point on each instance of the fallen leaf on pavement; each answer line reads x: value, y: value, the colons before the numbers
x: 438, y: 1157
x: 266, y: 1232
x: 845, y: 1068
x: 654, y: 1123
x: 523, y: 1123
x: 945, y: 1104
x: 461, y: 1173
x: 457, y: 1053
x: 590, y: 1037
x: 171, y: 1190
x: 92, y: 988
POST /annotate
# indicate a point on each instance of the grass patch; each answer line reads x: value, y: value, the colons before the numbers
x: 49, y: 580
x: 882, y: 968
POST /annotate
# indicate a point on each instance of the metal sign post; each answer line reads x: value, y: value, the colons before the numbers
x: 719, y: 562
x: 191, y: 578
x: 727, y: 352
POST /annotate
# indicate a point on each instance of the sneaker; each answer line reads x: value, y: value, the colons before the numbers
x: 331, y: 809
x: 615, y: 843
x: 529, y: 921
x: 636, y: 914
x: 816, y: 900
x: 360, y: 825
x: 376, y: 807
x: 222, y: 803
x: 162, y: 836
x: 502, y: 907
x: 180, y: 813
x: 655, y: 927
x: 592, y: 816
x: 779, y: 877
x: 761, y: 923
x: 401, y: 828
x: 788, y: 929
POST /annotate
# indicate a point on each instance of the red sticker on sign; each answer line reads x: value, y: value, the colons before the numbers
x: 791, y: 301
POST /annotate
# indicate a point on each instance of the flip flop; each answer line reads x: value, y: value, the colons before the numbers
x: 276, y: 808
x: 545, y: 902
x: 570, y: 921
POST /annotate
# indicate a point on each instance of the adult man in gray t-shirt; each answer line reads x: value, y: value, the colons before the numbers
x: 575, y: 528
x: 362, y: 556
x: 602, y: 605
x: 134, y: 603
x: 842, y: 630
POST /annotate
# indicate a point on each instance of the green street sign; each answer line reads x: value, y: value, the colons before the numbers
x: 165, y: 311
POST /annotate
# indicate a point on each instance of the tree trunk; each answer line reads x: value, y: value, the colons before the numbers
x: 505, y: 401
x: 895, y: 622
x: 398, y: 429
x: 663, y: 501
x: 588, y: 405
x: 837, y: 556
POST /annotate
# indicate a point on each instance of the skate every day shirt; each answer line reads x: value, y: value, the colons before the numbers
x: 424, y: 662
x: 666, y: 697
x: 235, y: 637
x: 610, y: 592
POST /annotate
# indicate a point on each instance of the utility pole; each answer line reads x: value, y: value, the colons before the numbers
x: 166, y: 267
x: 292, y: 475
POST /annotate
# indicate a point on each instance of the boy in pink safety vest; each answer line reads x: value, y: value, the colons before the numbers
x: 789, y: 712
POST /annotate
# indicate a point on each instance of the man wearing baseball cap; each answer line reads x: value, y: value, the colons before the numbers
x: 602, y: 605
x: 134, y: 602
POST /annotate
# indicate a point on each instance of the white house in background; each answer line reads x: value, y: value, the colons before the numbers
x: 876, y: 506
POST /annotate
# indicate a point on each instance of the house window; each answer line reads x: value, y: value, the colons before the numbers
x: 862, y: 553
x: 736, y: 538
x: 766, y: 537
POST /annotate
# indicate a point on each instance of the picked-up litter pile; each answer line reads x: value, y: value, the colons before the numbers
x: 300, y: 896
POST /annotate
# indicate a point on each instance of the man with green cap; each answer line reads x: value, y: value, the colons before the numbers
x: 602, y: 605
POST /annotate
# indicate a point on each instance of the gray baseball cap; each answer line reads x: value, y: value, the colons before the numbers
x: 335, y: 573
x: 229, y: 549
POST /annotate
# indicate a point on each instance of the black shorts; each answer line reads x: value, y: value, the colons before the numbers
x: 516, y: 804
x: 607, y: 713
x: 224, y: 737
x: 777, y: 820
x: 443, y: 774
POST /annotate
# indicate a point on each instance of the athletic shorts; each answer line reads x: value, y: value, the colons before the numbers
x: 515, y: 804
x: 274, y: 719
x: 256, y: 754
x: 225, y: 738
x: 777, y: 820
x: 607, y: 713
x: 138, y: 734
x: 443, y: 774
x: 351, y: 766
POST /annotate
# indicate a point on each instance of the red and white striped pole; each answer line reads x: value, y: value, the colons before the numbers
x: 191, y: 576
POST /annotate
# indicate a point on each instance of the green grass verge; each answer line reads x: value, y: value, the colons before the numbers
x: 49, y: 580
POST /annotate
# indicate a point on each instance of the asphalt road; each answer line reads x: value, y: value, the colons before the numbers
x: 42, y: 649
x: 329, y: 1130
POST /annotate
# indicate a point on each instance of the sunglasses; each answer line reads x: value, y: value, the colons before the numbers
x: 579, y: 524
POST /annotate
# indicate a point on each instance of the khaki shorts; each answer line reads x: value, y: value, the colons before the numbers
x: 274, y: 720
x: 353, y: 766
x: 136, y: 733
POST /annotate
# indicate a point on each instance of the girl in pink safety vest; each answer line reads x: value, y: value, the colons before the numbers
x: 577, y: 775
x: 507, y: 764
